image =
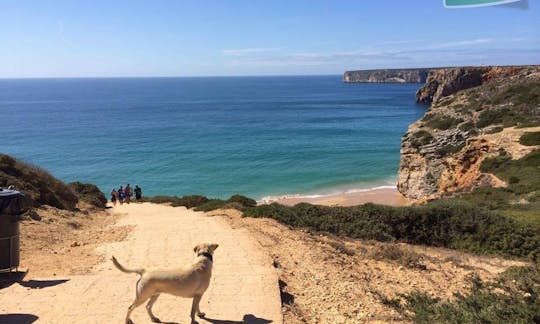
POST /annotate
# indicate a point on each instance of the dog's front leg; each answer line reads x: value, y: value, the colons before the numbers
x: 195, y: 308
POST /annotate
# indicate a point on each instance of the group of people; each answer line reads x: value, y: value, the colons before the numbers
x: 124, y: 194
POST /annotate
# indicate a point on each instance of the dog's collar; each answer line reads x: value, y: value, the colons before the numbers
x: 205, y: 254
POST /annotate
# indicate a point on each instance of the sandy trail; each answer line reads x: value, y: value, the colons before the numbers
x: 243, y: 289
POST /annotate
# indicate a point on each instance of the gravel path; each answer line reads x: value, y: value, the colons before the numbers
x: 244, y: 286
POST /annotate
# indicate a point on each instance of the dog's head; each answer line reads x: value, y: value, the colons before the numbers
x: 205, y: 248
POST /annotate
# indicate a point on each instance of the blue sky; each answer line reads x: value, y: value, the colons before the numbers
x: 257, y: 37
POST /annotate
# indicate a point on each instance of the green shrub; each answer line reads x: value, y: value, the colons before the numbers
x: 191, y: 201
x: 40, y: 187
x: 491, y: 117
x: 202, y: 203
x: 494, y: 130
x: 211, y: 204
x: 513, y: 298
x: 468, y: 126
x: 492, y: 165
x: 449, y: 149
x: 421, y: 138
x: 446, y: 223
x: 89, y: 193
x: 242, y: 200
x: 441, y: 121
x: 530, y: 139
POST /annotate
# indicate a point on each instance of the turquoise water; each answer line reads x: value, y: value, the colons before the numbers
x: 258, y: 136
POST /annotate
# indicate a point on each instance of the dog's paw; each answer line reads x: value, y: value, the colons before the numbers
x: 201, y: 314
x: 155, y: 319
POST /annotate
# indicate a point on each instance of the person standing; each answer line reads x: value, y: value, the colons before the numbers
x: 121, y: 194
x: 114, y: 196
x: 138, y: 193
x: 129, y: 193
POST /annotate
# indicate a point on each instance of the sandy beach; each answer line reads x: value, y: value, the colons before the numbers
x: 383, y: 196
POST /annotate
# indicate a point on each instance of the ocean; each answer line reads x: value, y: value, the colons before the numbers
x: 214, y: 136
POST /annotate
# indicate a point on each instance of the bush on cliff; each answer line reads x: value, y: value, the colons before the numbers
x: 530, y: 139
x: 445, y: 223
x: 89, y: 193
x: 38, y: 185
x: 202, y: 203
x: 41, y: 188
x: 513, y: 298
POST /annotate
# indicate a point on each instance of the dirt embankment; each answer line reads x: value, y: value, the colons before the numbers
x: 324, y: 279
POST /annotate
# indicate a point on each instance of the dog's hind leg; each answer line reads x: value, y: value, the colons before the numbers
x: 136, y: 303
x: 140, y: 298
x: 151, y: 302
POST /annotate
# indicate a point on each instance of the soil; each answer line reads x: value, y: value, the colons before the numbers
x: 61, y: 243
x: 325, y: 279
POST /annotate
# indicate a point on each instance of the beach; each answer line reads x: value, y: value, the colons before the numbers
x: 383, y: 196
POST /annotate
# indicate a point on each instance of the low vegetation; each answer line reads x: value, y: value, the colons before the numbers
x: 41, y: 188
x: 446, y: 223
x: 421, y: 138
x: 441, y: 122
x: 530, y: 139
x: 450, y: 149
x: 513, y: 298
x: 202, y: 203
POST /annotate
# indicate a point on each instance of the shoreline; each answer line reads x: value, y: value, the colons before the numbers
x: 384, y: 195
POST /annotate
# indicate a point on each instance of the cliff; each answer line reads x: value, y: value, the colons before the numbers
x: 442, y: 82
x: 387, y: 75
x: 442, y: 152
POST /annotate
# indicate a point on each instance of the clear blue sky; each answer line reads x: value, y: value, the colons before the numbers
x: 257, y: 37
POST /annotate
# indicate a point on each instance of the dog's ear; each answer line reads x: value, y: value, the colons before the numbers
x: 196, y: 249
x: 213, y: 247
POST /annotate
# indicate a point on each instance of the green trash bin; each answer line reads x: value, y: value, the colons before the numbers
x: 12, y: 204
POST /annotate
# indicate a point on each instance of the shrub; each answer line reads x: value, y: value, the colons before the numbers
x: 211, y: 204
x: 191, y: 201
x: 491, y: 117
x: 446, y: 223
x: 421, y: 138
x: 89, y: 193
x: 39, y: 186
x: 442, y: 122
x: 494, y: 130
x: 530, y: 139
x: 513, y: 298
x: 449, y: 149
x: 242, y: 200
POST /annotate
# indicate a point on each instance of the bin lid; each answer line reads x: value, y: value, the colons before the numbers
x: 12, y: 202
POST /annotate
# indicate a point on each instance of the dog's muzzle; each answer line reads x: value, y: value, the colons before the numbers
x: 207, y: 255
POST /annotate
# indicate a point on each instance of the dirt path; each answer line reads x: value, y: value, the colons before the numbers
x: 244, y: 285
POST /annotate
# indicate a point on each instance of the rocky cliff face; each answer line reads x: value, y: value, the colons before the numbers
x: 446, y: 81
x: 388, y: 75
x: 442, y: 152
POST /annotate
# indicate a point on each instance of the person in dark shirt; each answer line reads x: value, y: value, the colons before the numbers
x: 138, y: 193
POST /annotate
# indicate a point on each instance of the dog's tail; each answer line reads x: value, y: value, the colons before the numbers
x: 121, y: 267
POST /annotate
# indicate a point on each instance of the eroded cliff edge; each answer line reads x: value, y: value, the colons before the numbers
x: 442, y: 152
x: 387, y: 76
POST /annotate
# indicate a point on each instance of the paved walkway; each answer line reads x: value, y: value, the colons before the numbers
x: 244, y: 286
